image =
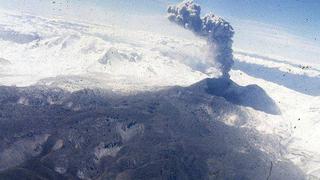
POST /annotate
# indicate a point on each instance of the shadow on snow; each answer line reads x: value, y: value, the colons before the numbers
x: 178, y: 133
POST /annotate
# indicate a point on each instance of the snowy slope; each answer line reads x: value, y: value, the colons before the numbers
x: 296, y: 91
x: 40, y: 48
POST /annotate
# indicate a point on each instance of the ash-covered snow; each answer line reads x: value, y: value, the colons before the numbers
x: 181, y: 132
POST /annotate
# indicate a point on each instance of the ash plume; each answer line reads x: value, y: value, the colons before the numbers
x: 217, y: 31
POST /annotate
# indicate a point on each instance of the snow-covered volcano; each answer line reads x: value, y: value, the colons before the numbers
x: 182, y: 122
x: 45, y: 51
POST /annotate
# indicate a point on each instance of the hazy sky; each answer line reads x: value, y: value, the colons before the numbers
x: 283, y: 28
x: 300, y: 17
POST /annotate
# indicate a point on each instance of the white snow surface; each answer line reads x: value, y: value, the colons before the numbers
x: 74, y: 55
x: 296, y: 91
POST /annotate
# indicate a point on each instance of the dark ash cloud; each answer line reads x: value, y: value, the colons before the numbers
x: 217, y: 31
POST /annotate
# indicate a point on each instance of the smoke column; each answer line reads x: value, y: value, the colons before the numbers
x: 217, y: 31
